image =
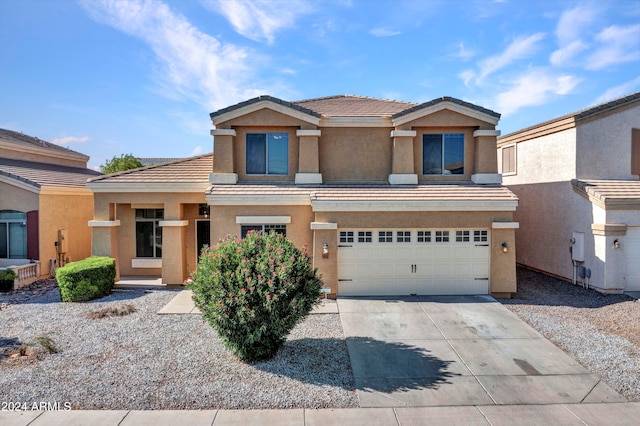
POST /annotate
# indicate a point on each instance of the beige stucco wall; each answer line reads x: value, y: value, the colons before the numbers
x: 355, y: 154
x: 240, y: 153
x: 604, y: 150
x: 14, y: 198
x: 71, y: 213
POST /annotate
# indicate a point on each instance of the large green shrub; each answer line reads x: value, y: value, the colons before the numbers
x: 253, y: 291
x: 86, y: 279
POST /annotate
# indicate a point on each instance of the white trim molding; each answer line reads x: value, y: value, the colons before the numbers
x: 413, y: 206
x: 263, y: 220
x: 308, y: 178
x: 486, y: 178
x: 223, y: 132
x: 318, y: 226
x: 223, y: 178
x: 480, y: 133
x: 20, y: 184
x: 464, y: 110
x: 169, y: 223
x: 403, y: 179
x: 265, y: 104
x: 315, y: 133
x: 104, y: 223
x: 403, y: 133
x: 182, y: 187
x: 505, y: 225
x: 146, y: 263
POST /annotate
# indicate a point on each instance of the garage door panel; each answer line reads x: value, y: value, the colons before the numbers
x: 425, y: 266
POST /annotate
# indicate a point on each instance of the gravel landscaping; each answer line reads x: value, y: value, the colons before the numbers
x: 136, y: 359
x: 601, y: 331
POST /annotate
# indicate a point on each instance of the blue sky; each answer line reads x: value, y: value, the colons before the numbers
x: 111, y: 77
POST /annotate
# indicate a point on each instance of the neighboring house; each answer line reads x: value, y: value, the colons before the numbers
x: 391, y: 197
x: 577, y: 180
x: 44, y: 205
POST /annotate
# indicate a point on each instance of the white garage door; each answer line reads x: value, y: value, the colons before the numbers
x: 413, y: 261
x: 633, y: 259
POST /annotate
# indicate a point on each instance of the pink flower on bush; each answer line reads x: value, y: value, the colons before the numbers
x: 230, y: 294
x: 268, y: 296
x: 243, y: 290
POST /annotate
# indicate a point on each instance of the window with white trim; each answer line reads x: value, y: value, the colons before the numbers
x: 424, y: 236
x: 480, y: 236
x: 267, y: 153
x: 463, y: 236
x: 443, y: 154
x: 509, y: 160
x: 403, y: 236
x: 385, y: 236
x: 13, y: 234
x: 346, y: 236
x: 442, y: 236
x: 364, y: 236
x: 149, y: 233
x: 278, y: 229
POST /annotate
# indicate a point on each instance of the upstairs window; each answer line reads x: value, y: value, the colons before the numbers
x: 443, y: 154
x: 509, y: 160
x: 149, y: 233
x: 267, y: 154
x: 635, y: 151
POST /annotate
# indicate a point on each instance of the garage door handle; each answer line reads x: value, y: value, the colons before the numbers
x: 344, y: 246
x: 481, y: 279
x: 482, y: 245
x: 345, y: 279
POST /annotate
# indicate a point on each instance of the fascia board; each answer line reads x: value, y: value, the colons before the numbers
x: 248, y: 109
x: 19, y: 184
x: 425, y: 206
x: 470, y: 112
x: 214, y: 200
x: 76, y: 156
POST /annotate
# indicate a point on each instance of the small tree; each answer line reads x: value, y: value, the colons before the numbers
x: 120, y: 164
x: 254, y: 291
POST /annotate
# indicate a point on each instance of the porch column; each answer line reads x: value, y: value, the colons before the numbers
x: 223, y: 172
x: 174, y: 259
x: 327, y: 264
x: 486, y: 161
x: 308, y: 158
x: 104, y: 232
x: 402, y: 167
x: 503, y: 259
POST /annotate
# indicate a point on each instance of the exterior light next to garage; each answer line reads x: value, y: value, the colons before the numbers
x: 505, y: 247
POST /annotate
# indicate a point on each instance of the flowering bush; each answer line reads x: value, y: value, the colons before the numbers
x: 254, y: 291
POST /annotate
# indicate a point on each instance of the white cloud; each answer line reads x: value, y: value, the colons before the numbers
x: 464, y: 53
x: 68, y: 140
x: 383, y: 32
x: 617, y: 45
x: 192, y: 65
x: 535, y: 87
x: 619, y: 91
x: 520, y: 48
x: 196, y: 151
x: 260, y: 20
x: 573, y: 22
x: 564, y: 55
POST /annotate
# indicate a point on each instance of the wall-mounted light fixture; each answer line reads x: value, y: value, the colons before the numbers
x: 203, y: 210
x: 616, y: 244
x: 325, y: 251
x: 505, y: 247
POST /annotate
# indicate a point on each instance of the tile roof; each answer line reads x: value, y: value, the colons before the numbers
x: 187, y: 170
x: 611, y: 194
x: 22, y: 139
x: 354, y: 106
x: 633, y: 97
x: 43, y: 174
x: 364, y: 193
x: 150, y: 161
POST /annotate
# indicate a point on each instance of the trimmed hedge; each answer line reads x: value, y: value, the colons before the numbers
x: 254, y: 291
x: 86, y: 279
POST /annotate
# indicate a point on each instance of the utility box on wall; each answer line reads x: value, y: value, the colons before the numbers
x: 577, y: 250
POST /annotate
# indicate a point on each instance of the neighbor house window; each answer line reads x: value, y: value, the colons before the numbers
x: 443, y: 154
x: 509, y: 159
x: 267, y: 153
x: 149, y: 233
x: 13, y: 234
x: 635, y: 151
x: 278, y: 229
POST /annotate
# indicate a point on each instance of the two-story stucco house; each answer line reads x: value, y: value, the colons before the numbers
x: 577, y: 180
x: 392, y: 198
x: 44, y: 205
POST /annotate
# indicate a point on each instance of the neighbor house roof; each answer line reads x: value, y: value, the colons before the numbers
x: 20, y: 139
x: 378, y: 197
x: 610, y: 194
x: 44, y: 174
x: 569, y: 120
x: 150, y: 161
x: 185, y: 174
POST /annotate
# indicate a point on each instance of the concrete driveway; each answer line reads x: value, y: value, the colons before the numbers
x: 457, y: 350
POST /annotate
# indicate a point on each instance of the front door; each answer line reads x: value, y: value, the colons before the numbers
x: 203, y: 234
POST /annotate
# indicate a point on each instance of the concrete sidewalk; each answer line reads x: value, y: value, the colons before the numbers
x: 514, y: 415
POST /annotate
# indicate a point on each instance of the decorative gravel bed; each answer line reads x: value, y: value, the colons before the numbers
x: 142, y: 360
x: 600, y: 331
